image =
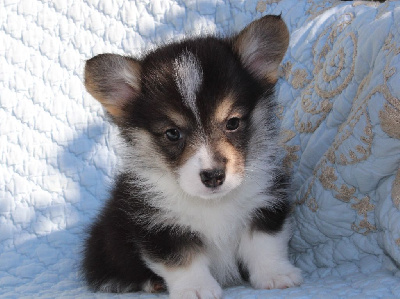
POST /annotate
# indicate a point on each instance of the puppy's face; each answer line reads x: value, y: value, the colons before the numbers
x: 196, y: 108
x: 187, y: 108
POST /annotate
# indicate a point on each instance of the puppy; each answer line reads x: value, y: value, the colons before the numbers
x: 201, y: 200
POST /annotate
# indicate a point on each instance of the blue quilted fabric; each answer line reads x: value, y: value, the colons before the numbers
x: 339, y: 106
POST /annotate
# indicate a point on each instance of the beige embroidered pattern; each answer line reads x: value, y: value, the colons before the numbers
x: 317, y: 8
x: 300, y: 78
x: 332, y: 65
x: 396, y: 190
x: 363, y: 206
x: 390, y: 121
x: 262, y: 4
x: 287, y: 69
x: 334, y: 52
x: 291, y: 150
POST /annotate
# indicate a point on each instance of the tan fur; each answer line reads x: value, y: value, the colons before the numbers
x: 235, y: 159
x: 177, y: 118
x: 189, y: 151
x: 223, y: 109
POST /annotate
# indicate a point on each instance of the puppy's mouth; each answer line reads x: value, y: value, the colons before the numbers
x: 209, y: 176
x: 217, y: 186
x: 210, y: 194
x: 213, y: 193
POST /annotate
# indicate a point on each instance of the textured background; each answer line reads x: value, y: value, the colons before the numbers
x: 340, y: 106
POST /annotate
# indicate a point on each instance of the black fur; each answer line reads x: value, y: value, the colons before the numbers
x: 271, y: 220
x: 118, y: 239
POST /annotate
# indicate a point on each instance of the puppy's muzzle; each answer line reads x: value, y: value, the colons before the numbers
x: 212, y: 178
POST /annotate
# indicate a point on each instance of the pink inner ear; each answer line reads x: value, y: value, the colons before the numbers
x: 122, y: 93
x: 113, y: 80
x: 260, y: 65
x: 262, y: 45
x: 260, y: 59
x: 264, y: 69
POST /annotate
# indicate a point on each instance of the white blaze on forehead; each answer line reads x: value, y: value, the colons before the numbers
x: 188, y: 78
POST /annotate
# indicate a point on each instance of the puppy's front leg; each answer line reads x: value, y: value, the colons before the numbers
x: 189, y: 281
x: 266, y: 258
x: 177, y: 255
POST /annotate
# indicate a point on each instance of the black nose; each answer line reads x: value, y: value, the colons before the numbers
x: 212, y: 178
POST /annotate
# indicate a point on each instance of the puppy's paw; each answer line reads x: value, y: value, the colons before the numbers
x: 280, y: 277
x: 206, y: 289
x: 200, y: 292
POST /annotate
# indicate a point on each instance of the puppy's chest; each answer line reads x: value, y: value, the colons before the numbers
x: 221, y: 235
x: 219, y: 226
x: 223, y: 257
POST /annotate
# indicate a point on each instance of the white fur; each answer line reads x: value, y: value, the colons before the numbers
x: 188, y: 78
x: 266, y: 258
x: 190, y: 181
x: 148, y: 287
x: 191, y: 282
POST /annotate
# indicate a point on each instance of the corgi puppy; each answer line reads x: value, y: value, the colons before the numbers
x: 200, y: 201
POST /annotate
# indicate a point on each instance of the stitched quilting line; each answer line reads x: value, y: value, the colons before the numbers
x: 79, y: 77
x: 53, y: 61
x: 61, y: 124
x: 63, y: 42
x: 74, y: 73
x: 151, y: 39
x: 41, y: 211
x: 47, y: 110
x: 65, y: 148
x: 93, y: 113
x: 51, y: 193
x: 81, y: 28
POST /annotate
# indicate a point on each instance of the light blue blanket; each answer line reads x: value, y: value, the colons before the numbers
x: 340, y: 110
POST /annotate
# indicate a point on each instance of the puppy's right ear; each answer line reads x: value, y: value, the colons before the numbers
x: 113, y: 80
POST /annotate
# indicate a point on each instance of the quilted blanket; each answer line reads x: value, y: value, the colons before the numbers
x: 339, y: 97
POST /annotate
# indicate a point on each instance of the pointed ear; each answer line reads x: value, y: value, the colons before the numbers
x: 113, y: 80
x: 262, y: 45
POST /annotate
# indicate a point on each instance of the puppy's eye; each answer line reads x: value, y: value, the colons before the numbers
x: 173, y: 134
x: 233, y: 124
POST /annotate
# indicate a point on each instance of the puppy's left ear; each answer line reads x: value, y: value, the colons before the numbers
x: 262, y: 45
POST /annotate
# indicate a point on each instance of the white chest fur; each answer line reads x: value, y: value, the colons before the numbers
x: 220, y: 224
x: 223, y: 260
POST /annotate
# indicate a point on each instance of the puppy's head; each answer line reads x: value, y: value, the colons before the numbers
x: 187, y: 110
